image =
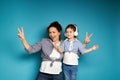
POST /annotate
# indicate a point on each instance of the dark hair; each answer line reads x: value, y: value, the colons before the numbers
x: 72, y: 26
x: 56, y: 25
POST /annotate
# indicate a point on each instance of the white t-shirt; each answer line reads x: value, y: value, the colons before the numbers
x: 70, y: 58
x: 71, y: 50
x: 56, y: 67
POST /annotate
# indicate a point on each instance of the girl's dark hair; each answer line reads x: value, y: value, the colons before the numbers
x: 72, y: 26
x: 56, y: 25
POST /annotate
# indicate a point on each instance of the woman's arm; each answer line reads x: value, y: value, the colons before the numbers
x: 22, y: 38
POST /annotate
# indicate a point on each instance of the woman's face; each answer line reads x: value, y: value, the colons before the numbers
x: 54, y: 34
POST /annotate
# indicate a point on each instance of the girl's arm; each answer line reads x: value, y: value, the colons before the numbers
x: 95, y: 47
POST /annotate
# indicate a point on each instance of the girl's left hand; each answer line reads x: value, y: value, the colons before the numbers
x: 95, y: 47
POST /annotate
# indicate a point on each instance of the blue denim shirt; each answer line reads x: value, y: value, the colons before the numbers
x: 77, y: 46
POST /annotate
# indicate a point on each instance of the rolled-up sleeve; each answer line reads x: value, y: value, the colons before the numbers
x: 34, y: 48
x: 81, y: 48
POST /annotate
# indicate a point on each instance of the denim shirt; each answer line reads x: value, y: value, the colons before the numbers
x: 77, y: 46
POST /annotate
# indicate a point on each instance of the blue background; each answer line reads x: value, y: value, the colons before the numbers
x: 100, y: 17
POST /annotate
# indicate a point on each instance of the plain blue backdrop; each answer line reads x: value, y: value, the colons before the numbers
x: 100, y: 17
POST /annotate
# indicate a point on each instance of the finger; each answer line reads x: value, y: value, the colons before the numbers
x: 18, y: 35
x: 86, y: 34
x: 97, y: 46
x: 19, y: 30
x: 91, y: 35
x: 22, y: 29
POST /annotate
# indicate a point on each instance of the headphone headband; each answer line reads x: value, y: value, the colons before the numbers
x: 76, y: 31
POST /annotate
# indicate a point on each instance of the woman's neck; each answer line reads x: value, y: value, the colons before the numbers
x: 56, y: 41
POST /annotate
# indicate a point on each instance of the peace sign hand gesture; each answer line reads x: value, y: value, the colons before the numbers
x: 21, y: 33
x: 87, y: 39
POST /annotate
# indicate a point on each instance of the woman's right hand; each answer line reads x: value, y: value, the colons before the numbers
x: 21, y: 33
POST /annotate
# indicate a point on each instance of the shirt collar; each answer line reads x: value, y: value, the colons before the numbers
x: 73, y: 41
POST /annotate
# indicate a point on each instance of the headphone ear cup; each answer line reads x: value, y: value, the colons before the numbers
x: 76, y: 33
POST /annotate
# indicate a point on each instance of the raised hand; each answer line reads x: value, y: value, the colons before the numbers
x: 57, y: 47
x: 87, y: 39
x: 95, y: 47
x: 21, y: 33
x: 21, y: 36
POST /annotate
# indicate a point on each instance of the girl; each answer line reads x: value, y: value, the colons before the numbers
x: 71, y: 47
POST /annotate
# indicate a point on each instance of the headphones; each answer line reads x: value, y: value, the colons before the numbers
x: 76, y: 31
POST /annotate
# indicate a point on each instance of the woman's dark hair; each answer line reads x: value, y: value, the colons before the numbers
x: 56, y: 25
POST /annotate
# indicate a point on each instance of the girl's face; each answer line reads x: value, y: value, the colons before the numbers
x: 54, y: 34
x: 69, y: 33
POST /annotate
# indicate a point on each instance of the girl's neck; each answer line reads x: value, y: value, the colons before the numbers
x: 71, y: 39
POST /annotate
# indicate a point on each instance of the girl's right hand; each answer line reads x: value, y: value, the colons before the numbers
x: 21, y: 33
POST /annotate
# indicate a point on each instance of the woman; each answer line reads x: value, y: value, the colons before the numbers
x: 51, y: 66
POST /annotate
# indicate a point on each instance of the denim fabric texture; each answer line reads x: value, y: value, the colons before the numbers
x: 44, y: 76
x: 70, y: 71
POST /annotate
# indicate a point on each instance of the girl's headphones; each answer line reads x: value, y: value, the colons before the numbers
x: 76, y: 31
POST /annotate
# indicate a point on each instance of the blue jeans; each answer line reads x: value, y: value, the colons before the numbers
x: 70, y: 71
x: 44, y: 76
